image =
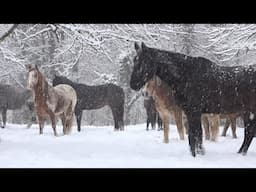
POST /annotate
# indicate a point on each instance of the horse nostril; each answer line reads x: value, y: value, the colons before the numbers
x: 33, y: 118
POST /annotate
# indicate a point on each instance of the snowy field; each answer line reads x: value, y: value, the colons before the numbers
x: 101, y: 147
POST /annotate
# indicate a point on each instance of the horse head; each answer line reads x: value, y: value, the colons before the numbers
x: 144, y: 69
x: 33, y: 75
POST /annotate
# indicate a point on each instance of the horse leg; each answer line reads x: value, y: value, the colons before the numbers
x: 78, y: 113
x: 63, y: 121
x: 205, y: 121
x: 153, y: 121
x: 178, y: 119
x: 195, y: 133
x: 233, y: 126
x: 215, y: 127
x: 185, y: 122
x: 53, y: 120
x: 159, y: 122
x: 69, y: 120
x: 227, y: 123
x: 115, y: 117
x: 41, y: 124
x: 165, y: 118
x: 248, y: 137
x: 147, y: 123
x: 120, y: 117
x: 247, y: 124
x: 4, y: 112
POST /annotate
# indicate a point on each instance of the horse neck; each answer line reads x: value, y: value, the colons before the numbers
x: 65, y: 81
x: 42, y: 89
x: 163, y: 73
x: 26, y: 94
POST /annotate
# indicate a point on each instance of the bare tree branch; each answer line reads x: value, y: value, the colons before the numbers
x: 8, y: 32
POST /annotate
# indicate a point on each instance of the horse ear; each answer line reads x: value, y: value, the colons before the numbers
x: 136, y: 46
x: 143, y: 46
x: 28, y: 66
x: 36, y: 67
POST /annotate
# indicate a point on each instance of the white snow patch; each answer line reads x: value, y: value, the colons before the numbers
x: 102, y: 147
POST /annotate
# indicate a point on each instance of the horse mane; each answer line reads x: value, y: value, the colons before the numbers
x: 63, y: 79
x: 170, y: 57
x: 42, y: 87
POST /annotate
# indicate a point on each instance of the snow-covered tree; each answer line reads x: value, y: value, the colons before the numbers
x: 102, y: 53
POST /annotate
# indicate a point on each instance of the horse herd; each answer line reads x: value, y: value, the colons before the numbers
x: 63, y: 99
x: 194, y: 89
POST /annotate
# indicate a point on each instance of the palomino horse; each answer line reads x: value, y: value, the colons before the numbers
x: 96, y: 97
x: 53, y: 101
x: 152, y: 113
x: 200, y: 86
x: 13, y: 98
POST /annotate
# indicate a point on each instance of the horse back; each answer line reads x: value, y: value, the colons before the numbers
x: 222, y: 89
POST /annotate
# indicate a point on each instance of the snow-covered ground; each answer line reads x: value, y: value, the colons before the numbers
x: 101, y: 147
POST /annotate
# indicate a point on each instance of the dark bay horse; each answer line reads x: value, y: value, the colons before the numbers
x: 96, y: 97
x: 230, y: 120
x: 13, y: 98
x: 200, y: 86
x: 53, y: 101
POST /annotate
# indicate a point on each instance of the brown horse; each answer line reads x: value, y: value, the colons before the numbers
x: 165, y: 105
x: 53, y: 101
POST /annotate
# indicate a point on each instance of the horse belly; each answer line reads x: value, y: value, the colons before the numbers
x: 92, y: 103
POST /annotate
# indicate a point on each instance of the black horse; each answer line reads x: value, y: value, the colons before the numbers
x: 200, y: 86
x: 95, y: 97
x: 153, y: 116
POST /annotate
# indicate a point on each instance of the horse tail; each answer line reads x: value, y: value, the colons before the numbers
x: 69, y: 117
x: 121, y: 111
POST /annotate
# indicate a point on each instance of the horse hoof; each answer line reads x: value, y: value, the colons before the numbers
x: 193, y: 153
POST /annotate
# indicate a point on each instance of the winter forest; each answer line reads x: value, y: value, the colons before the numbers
x: 96, y: 54
x: 100, y: 53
